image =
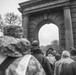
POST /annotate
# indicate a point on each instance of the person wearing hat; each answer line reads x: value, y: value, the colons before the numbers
x: 12, y: 44
x: 37, y: 53
x: 35, y: 47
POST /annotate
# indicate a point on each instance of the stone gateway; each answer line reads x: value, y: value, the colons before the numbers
x: 36, y: 13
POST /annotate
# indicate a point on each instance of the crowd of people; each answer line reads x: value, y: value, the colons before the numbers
x: 29, y: 58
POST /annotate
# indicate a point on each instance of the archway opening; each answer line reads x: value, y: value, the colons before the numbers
x: 47, y: 34
x: 49, y: 37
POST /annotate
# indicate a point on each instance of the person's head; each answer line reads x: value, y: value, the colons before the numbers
x: 57, y: 56
x: 49, y: 51
x: 35, y: 47
x: 13, y: 30
x: 35, y: 43
x: 65, y: 54
x: 73, y: 52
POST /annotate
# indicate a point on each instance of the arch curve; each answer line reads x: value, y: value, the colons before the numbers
x: 38, y: 21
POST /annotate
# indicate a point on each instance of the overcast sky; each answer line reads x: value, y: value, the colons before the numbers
x: 47, y: 33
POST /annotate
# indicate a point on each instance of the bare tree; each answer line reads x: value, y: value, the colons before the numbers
x: 12, y: 19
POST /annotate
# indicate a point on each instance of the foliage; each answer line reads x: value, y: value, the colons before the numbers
x: 1, y: 22
x: 45, y: 48
x: 55, y: 45
x: 12, y: 19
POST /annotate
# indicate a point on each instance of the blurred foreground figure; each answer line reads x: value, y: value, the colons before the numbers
x: 12, y: 44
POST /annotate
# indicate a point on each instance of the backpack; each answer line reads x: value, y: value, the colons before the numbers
x: 5, y: 64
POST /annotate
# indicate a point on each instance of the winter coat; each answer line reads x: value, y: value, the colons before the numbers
x: 69, y: 69
x: 44, y: 62
x: 26, y: 65
x: 59, y: 65
x: 64, y: 61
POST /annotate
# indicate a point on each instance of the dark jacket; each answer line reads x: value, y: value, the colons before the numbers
x: 70, y: 69
x: 44, y: 62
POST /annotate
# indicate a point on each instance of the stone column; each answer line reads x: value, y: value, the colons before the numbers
x: 68, y: 28
x: 25, y: 20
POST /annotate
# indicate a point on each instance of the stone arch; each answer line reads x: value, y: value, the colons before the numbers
x: 35, y: 11
x: 38, y: 21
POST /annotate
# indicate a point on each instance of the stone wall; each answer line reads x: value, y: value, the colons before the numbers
x: 73, y: 15
x: 38, y: 20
